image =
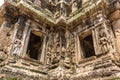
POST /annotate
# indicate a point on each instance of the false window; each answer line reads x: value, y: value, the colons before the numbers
x: 87, y: 46
x: 34, y: 46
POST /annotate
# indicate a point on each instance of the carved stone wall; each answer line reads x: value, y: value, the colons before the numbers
x: 115, y: 23
x: 62, y: 25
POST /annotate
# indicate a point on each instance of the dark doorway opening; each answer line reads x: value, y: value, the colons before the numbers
x: 87, y: 46
x: 34, y: 46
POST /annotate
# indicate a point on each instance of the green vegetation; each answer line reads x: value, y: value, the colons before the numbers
x: 114, y: 79
x: 9, y: 78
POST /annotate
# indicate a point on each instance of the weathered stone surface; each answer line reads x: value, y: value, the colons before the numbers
x: 60, y: 40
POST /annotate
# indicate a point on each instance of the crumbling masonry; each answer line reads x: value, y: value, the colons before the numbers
x: 60, y: 39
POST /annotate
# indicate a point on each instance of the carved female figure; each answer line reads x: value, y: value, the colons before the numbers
x: 63, y: 7
x: 17, y: 46
x: 103, y: 41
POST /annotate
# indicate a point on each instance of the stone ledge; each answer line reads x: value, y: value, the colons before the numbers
x: 87, y: 59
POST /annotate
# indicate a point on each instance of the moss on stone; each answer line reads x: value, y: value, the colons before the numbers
x: 9, y: 78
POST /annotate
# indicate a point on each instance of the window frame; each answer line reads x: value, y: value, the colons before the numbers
x: 81, y: 36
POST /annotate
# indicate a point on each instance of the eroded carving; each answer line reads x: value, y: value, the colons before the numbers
x: 63, y: 42
x: 103, y: 41
x: 17, y: 46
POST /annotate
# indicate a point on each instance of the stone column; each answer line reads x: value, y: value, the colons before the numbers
x: 115, y: 17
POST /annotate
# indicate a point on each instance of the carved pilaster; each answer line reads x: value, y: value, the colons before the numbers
x: 26, y: 42
x: 42, y: 57
x: 103, y: 36
x: 25, y: 39
x: 53, y: 48
x: 17, y: 44
x: 103, y: 39
x: 95, y: 41
x: 79, y: 55
x: 115, y: 18
x: 4, y: 33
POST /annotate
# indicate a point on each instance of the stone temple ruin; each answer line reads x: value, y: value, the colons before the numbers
x: 60, y: 40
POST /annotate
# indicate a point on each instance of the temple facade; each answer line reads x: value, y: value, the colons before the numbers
x: 60, y: 40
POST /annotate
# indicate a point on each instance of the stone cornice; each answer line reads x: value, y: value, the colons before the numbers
x: 47, y: 17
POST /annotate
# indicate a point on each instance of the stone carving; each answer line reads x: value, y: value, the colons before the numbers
x: 2, y: 55
x: 48, y: 56
x: 70, y: 49
x: 53, y: 2
x: 103, y: 41
x: 111, y: 41
x: 38, y: 3
x: 67, y: 61
x: 18, y: 36
x: 17, y: 46
x: 49, y: 47
x: 74, y: 5
x: 53, y: 50
x: 63, y: 47
x: 63, y: 7
x: 58, y: 7
x: 106, y: 40
x: 58, y: 73
x: 61, y: 54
